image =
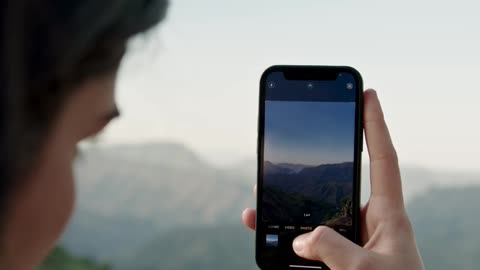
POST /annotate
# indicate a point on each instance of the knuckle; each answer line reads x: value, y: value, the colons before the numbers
x: 315, y: 242
x: 403, y: 224
x: 318, y: 235
x: 362, y: 263
x: 387, y: 156
x: 373, y: 119
x: 394, y: 155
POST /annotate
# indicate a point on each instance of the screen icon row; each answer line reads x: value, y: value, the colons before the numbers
x: 310, y: 85
x: 291, y: 227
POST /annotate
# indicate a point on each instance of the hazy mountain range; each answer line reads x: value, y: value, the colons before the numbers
x: 296, y: 168
x: 310, y: 181
x: 160, y: 206
x: 119, y: 191
x: 291, y: 190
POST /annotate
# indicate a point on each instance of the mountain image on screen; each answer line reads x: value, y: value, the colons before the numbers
x: 308, y: 195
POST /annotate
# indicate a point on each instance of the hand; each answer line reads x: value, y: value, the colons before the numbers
x: 388, y: 240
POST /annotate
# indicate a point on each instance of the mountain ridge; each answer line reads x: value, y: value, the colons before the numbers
x: 123, y: 198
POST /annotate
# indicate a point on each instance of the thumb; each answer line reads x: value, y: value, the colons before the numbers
x: 326, y: 245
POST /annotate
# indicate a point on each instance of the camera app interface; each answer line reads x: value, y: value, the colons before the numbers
x: 308, y: 161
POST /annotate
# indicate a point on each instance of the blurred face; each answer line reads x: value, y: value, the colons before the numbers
x: 42, y: 205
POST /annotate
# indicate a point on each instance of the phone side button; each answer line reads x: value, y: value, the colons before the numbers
x: 362, y: 141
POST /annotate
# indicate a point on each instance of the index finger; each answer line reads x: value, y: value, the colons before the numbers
x: 384, y: 170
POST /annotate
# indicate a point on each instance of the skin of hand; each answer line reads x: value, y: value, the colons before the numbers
x: 388, y: 240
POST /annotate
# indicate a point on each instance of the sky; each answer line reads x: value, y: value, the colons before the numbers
x: 195, y: 78
x: 309, y: 133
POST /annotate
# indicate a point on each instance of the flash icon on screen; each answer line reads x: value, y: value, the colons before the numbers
x: 349, y: 86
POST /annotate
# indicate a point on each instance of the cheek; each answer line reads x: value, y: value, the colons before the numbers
x: 56, y: 182
x: 59, y: 189
x: 45, y: 203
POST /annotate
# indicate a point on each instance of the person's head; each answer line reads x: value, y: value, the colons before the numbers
x: 58, y: 62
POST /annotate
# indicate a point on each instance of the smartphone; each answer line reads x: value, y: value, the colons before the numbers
x: 309, y: 158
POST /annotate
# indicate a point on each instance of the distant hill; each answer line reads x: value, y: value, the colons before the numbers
x: 123, y: 198
x: 342, y: 172
x: 201, y: 248
x: 270, y: 168
x: 134, y: 205
x: 294, y: 167
x: 317, y: 190
x: 446, y: 222
x: 321, y: 182
x: 170, y: 154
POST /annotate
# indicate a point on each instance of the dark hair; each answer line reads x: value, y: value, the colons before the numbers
x: 46, y: 47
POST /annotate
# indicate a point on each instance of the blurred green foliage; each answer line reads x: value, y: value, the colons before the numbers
x: 60, y: 259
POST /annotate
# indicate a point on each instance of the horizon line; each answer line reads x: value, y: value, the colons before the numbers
x: 312, y: 165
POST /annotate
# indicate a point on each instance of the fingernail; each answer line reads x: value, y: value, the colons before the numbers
x: 373, y: 91
x: 299, y: 243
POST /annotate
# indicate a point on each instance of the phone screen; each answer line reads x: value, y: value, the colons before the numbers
x: 310, y: 140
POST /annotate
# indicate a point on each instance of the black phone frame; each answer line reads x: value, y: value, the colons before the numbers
x: 310, y: 73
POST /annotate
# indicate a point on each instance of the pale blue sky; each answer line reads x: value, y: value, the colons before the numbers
x: 195, y: 79
x: 309, y: 133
